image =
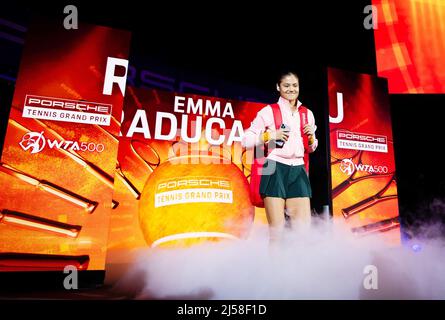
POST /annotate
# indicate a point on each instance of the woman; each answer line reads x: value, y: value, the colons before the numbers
x: 287, y: 187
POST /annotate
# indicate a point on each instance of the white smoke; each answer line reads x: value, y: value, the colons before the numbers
x: 323, y: 263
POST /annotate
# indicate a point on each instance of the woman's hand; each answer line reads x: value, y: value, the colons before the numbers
x: 309, y: 130
x: 279, y: 135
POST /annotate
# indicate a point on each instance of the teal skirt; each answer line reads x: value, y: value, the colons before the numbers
x: 280, y: 180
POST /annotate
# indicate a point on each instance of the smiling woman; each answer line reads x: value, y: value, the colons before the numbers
x: 286, y: 130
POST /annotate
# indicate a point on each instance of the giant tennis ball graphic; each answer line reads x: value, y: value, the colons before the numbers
x: 195, y: 198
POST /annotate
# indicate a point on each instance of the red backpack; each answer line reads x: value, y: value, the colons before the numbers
x: 258, y: 161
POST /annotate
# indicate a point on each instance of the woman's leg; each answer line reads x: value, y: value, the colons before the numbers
x: 275, y: 216
x: 299, y: 211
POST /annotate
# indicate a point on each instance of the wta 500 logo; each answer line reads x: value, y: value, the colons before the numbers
x: 348, y: 167
x: 36, y: 142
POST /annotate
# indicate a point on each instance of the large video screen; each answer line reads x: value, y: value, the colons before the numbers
x: 363, y: 172
x: 409, y: 42
x: 58, y: 161
x: 182, y: 174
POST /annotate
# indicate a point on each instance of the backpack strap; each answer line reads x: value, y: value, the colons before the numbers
x: 302, y: 110
x: 278, y: 120
x: 277, y: 117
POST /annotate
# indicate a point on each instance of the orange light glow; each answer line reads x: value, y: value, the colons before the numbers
x: 410, y: 45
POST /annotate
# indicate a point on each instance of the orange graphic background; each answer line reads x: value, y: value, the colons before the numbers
x: 410, y: 45
x: 125, y: 228
x: 366, y: 110
x: 64, y: 64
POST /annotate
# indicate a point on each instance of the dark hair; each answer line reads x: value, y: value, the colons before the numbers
x: 286, y: 73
